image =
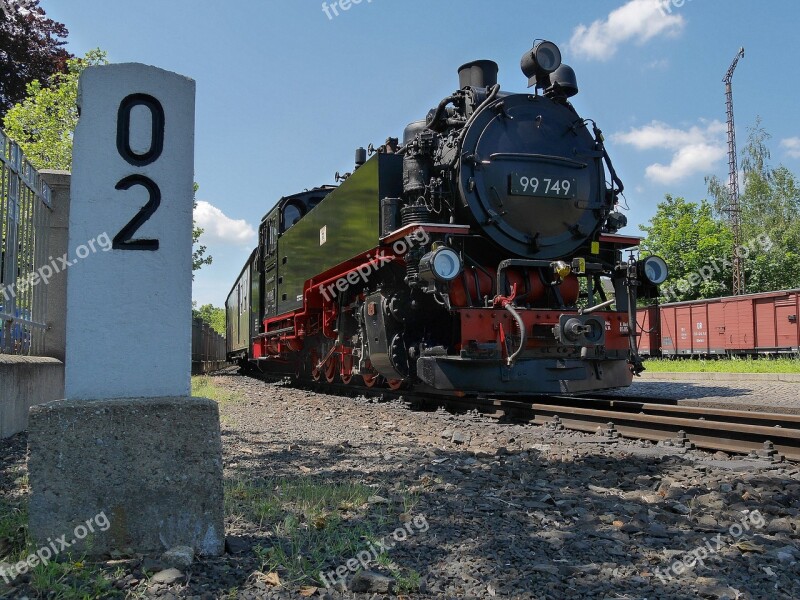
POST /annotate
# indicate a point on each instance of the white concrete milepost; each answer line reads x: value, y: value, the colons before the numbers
x: 129, y: 308
x: 128, y: 441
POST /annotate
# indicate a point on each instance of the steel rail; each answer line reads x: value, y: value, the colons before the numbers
x: 765, y: 434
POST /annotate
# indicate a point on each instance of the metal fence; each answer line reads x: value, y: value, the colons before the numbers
x: 208, y: 348
x: 25, y: 207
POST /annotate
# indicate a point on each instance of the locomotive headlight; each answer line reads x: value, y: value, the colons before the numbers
x: 443, y: 264
x: 540, y: 61
x: 548, y: 56
x: 653, y: 270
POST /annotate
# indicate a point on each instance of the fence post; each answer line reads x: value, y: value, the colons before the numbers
x: 55, y: 338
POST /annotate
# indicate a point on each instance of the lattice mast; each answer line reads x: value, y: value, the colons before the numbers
x: 733, y: 209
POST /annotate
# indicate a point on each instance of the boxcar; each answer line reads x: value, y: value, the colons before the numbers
x: 751, y: 324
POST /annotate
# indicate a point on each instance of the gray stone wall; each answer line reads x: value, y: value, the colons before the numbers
x: 24, y: 382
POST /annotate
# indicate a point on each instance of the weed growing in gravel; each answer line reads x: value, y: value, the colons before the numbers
x: 410, y: 500
x: 232, y: 594
x: 71, y: 580
x: 67, y: 579
x: 311, y: 523
x: 204, y: 387
x: 13, y: 530
x: 407, y: 581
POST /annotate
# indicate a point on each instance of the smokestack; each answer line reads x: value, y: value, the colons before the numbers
x: 478, y: 74
x: 361, y: 156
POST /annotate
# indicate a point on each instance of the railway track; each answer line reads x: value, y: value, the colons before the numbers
x: 771, y: 436
x: 766, y: 435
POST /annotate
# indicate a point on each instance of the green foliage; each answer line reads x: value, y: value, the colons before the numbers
x: 770, y: 205
x: 689, y: 238
x: 43, y: 123
x: 32, y: 48
x: 212, y: 315
x: 697, y: 242
x: 198, y: 253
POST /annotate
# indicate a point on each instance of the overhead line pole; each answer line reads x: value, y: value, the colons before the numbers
x: 733, y: 209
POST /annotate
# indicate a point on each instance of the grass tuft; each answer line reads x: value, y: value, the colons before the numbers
x: 204, y: 387
x: 13, y: 531
x: 724, y: 365
x: 71, y: 580
x: 62, y: 578
x: 312, y: 526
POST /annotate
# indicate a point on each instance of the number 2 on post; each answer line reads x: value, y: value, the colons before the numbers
x: 123, y: 240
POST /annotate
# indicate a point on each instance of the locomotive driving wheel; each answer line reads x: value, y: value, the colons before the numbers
x: 370, y: 380
x: 395, y: 384
x: 347, y: 369
x: 329, y: 368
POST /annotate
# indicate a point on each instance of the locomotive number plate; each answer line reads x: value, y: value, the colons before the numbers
x: 544, y: 187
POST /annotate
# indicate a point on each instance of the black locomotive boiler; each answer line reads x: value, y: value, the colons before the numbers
x: 480, y: 255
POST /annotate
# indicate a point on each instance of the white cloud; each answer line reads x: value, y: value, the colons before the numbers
x: 792, y: 146
x: 638, y: 21
x: 697, y: 158
x: 695, y: 150
x: 217, y: 227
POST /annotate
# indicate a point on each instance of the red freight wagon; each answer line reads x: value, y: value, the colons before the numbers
x: 765, y: 323
x: 648, y: 335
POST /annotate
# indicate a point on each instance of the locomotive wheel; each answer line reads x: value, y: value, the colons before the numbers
x: 395, y: 384
x: 347, y: 369
x: 370, y: 380
x: 330, y: 367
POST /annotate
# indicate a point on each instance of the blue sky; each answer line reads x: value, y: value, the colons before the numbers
x: 286, y: 92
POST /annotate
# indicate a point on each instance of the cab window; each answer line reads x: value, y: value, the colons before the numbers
x: 291, y: 215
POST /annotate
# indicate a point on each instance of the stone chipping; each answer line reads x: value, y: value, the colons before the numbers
x: 513, y: 510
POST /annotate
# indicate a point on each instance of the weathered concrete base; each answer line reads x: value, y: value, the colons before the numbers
x: 25, y: 381
x: 152, y: 467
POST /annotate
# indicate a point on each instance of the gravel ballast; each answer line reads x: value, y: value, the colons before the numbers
x: 475, y: 508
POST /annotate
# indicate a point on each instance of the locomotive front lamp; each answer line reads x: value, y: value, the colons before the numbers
x: 653, y: 270
x: 443, y: 263
x: 539, y: 62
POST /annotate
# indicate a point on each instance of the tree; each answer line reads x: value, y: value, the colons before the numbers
x: 695, y: 245
x: 198, y: 250
x: 31, y: 48
x: 212, y: 315
x: 43, y: 123
x: 770, y: 209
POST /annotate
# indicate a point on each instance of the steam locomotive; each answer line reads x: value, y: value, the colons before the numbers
x: 480, y: 255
